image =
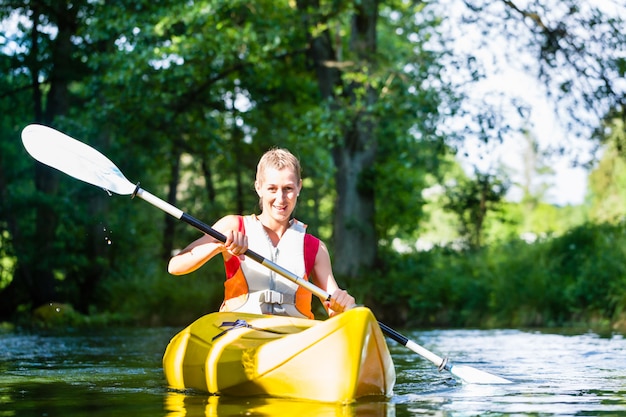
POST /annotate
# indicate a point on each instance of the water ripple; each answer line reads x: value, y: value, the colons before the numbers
x: 119, y: 370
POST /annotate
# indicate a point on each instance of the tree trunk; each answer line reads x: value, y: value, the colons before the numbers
x: 354, y: 231
x: 39, y: 272
x: 169, y: 231
x: 33, y: 280
x: 355, y: 241
x: 35, y: 270
x: 208, y: 179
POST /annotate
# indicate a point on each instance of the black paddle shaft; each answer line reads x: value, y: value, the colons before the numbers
x: 258, y: 258
x: 217, y: 235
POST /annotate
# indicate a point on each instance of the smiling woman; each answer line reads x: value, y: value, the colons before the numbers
x: 276, y: 235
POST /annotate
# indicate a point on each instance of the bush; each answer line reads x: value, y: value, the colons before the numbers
x: 579, y: 277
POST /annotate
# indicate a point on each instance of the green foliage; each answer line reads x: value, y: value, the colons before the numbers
x: 607, y: 182
x: 7, y: 260
x: 185, y: 96
x: 157, y: 298
x: 577, y: 278
x: 472, y: 200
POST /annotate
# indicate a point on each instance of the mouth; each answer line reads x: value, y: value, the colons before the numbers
x: 280, y: 208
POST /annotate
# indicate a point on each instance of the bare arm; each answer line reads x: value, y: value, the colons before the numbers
x: 198, y: 252
x: 340, y: 299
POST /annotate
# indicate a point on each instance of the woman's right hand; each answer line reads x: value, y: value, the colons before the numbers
x: 236, y: 243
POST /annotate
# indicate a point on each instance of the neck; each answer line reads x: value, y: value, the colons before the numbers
x: 275, y: 229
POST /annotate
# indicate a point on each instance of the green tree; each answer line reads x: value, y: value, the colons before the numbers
x: 326, y: 86
x: 472, y: 200
x: 572, y: 46
x: 607, y: 181
x: 360, y: 86
x: 186, y: 96
x: 45, y: 62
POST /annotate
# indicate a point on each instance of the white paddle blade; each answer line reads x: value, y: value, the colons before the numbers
x: 74, y: 158
x: 476, y: 376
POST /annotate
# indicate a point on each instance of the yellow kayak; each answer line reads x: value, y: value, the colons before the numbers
x: 336, y: 360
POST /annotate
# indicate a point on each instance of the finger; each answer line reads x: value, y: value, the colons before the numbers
x: 229, y: 238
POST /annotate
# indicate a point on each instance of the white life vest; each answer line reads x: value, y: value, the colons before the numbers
x: 269, y: 292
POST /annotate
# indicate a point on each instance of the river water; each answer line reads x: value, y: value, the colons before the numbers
x: 117, y: 372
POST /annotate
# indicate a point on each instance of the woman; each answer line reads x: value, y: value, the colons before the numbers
x: 275, y: 235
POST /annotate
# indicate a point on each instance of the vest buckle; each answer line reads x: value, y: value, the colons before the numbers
x: 271, y: 297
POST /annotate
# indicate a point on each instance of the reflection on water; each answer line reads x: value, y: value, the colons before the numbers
x: 185, y: 405
x: 118, y: 372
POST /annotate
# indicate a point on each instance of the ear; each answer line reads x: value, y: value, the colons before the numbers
x: 257, y: 187
x: 299, y: 187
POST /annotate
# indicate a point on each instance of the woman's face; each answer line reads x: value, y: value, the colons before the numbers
x: 278, y: 190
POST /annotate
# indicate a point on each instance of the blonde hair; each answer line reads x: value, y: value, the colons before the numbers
x: 278, y: 158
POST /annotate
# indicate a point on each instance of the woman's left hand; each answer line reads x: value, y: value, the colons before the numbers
x: 340, y: 301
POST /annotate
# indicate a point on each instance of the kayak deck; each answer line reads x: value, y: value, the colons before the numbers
x: 335, y: 360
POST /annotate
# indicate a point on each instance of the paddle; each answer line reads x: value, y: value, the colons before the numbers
x: 82, y: 162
